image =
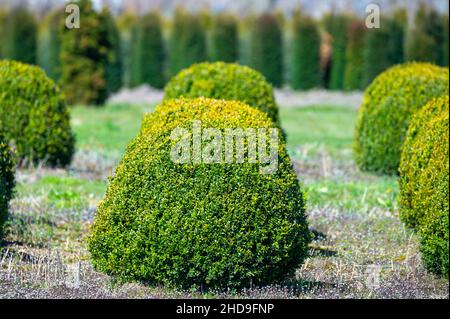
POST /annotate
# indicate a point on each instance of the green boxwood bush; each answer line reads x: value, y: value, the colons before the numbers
x: 210, y: 225
x: 33, y: 115
x: 389, y: 102
x: 226, y: 81
x: 7, y: 166
x: 424, y: 176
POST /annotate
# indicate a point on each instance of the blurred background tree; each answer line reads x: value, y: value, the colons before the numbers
x: 148, y: 57
x: 20, y: 36
x: 84, y: 58
x: 339, y: 26
x: 187, y: 41
x: 305, y: 53
x: 353, y: 74
x: 224, y: 39
x: 114, y: 66
x: 49, y: 44
x: 267, y: 48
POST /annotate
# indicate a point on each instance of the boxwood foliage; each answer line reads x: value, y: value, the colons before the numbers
x: 227, y: 81
x: 389, y: 102
x: 33, y: 115
x: 210, y: 225
x: 424, y: 176
x: 7, y: 166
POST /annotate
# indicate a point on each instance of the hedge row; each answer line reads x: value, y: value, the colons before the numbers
x: 118, y: 59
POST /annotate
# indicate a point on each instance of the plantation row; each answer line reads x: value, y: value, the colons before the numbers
x: 338, y: 52
x: 228, y: 225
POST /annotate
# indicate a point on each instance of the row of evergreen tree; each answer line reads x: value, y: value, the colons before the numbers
x: 339, y: 52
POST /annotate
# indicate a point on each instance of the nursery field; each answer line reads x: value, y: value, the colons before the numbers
x: 361, y: 248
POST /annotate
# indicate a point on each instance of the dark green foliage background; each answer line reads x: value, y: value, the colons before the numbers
x: 305, y: 54
x: 267, y: 48
x: 148, y: 56
x: 187, y: 43
x: 20, y: 33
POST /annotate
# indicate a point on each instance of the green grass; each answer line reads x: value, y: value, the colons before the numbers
x: 319, y: 126
x: 107, y: 130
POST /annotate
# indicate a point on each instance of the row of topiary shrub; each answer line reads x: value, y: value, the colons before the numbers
x: 196, y: 224
x: 403, y: 128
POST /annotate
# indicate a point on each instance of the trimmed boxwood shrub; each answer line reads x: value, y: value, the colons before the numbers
x: 424, y: 176
x: 226, y: 81
x: 389, y: 102
x: 7, y: 166
x: 33, y: 115
x: 204, y: 225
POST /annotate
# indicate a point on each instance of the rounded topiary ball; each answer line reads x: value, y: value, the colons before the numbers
x: 198, y: 224
x: 389, y: 102
x: 424, y: 176
x: 227, y: 81
x: 7, y: 166
x: 34, y: 115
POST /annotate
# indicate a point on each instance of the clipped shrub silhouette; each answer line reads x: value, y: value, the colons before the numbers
x: 389, y: 102
x: 33, y: 115
x: 224, y: 39
x: 306, y: 73
x: 7, y: 166
x: 20, y: 42
x: 266, y: 48
x: 424, y: 176
x: 148, y: 52
x: 187, y: 43
x: 83, y: 67
x: 197, y: 224
x: 226, y: 81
